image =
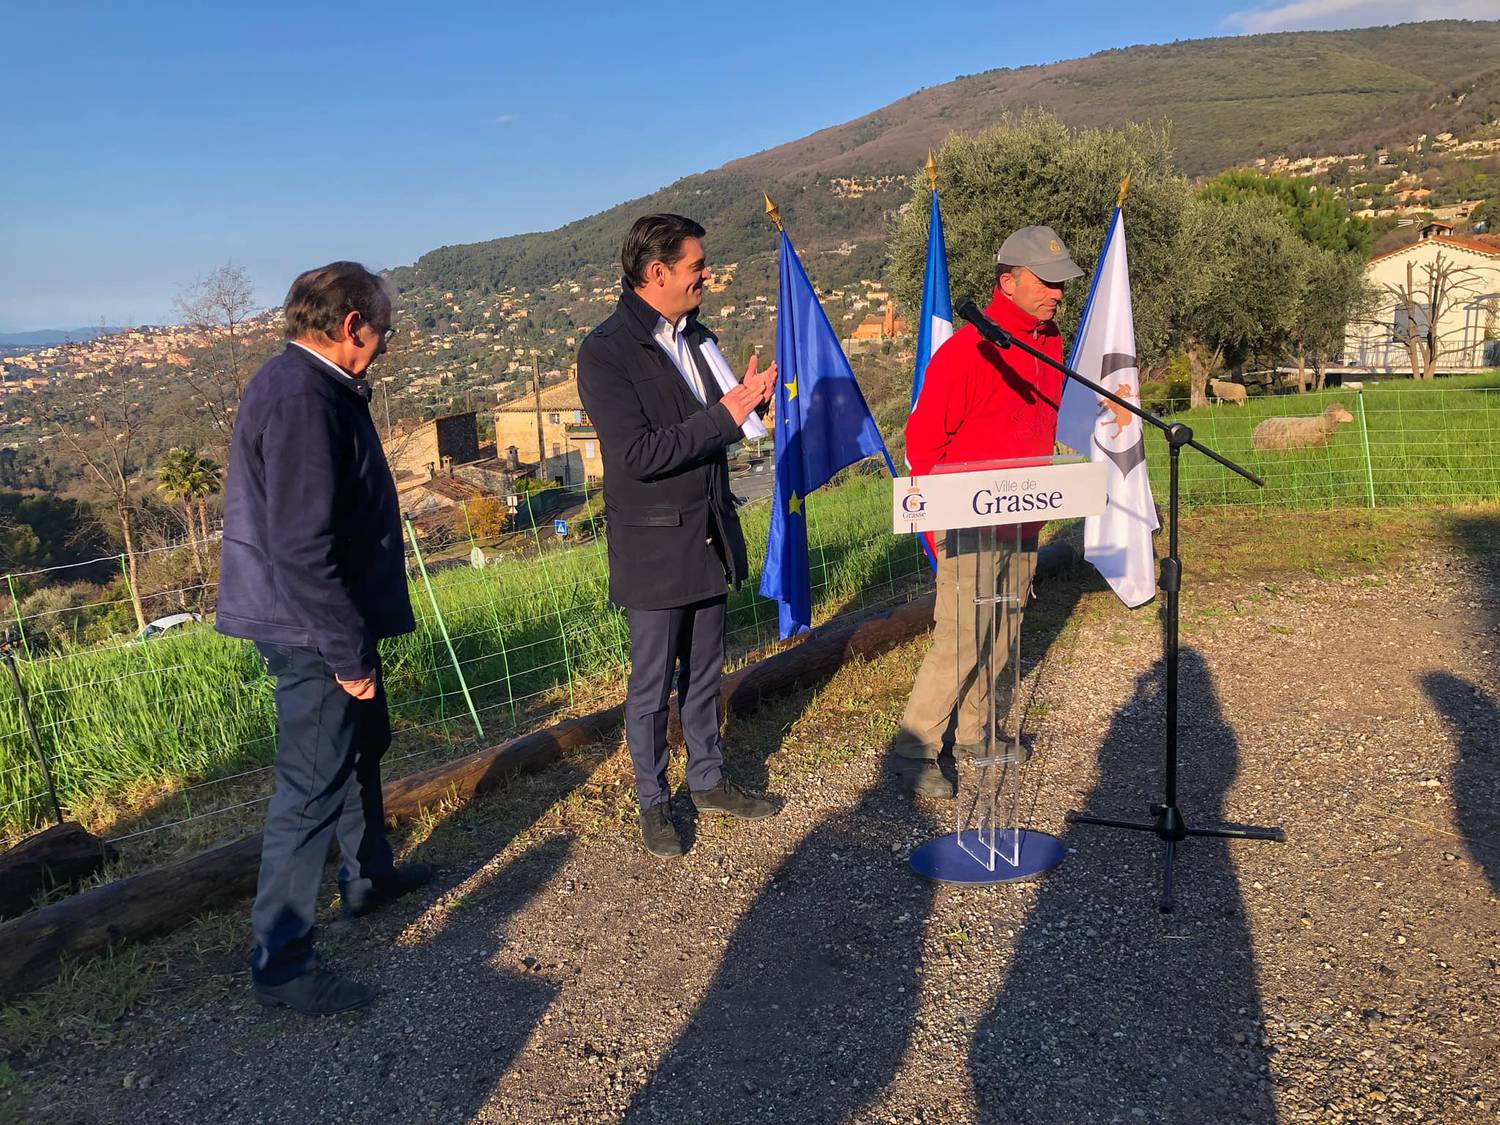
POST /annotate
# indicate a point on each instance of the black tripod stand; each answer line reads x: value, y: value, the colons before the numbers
x: 1167, y: 821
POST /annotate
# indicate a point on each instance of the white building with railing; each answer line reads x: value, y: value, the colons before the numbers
x: 1468, y: 327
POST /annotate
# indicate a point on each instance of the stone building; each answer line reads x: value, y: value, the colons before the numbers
x: 569, y: 450
x: 432, y: 447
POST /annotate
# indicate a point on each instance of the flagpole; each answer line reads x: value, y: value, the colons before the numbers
x: 1109, y: 234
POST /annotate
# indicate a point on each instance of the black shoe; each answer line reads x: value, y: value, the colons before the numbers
x: 408, y: 877
x: 726, y: 797
x: 659, y: 834
x: 317, y: 992
x: 926, y: 779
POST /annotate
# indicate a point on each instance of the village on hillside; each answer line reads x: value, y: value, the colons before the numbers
x: 477, y: 400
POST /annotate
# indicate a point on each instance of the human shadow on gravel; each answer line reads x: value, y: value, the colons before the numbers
x: 1111, y: 1011
x: 1475, y: 787
x: 811, y: 1011
x: 1472, y: 715
x: 446, y: 1027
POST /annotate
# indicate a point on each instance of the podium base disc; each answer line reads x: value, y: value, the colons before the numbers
x: 943, y: 861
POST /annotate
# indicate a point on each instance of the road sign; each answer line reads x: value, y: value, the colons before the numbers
x: 560, y: 528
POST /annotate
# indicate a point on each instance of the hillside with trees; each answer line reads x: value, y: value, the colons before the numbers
x: 1225, y: 101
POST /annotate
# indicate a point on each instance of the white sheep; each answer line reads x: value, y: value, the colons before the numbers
x: 1227, y: 392
x: 1300, y: 433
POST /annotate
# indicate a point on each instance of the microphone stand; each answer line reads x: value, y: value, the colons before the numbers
x: 1166, y: 818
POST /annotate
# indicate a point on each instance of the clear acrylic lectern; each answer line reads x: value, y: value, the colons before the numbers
x: 984, y: 519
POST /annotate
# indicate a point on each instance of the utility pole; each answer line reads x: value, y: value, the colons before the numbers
x: 541, y: 442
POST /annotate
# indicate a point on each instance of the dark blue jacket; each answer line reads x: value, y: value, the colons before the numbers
x: 312, y: 552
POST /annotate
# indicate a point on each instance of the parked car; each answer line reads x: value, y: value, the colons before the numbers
x: 162, y: 624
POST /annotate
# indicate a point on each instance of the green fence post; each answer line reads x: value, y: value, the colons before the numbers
x: 1364, y: 434
x: 443, y: 628
x: 15, y: 604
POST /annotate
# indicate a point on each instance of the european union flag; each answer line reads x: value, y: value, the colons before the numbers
x: 822, y: 425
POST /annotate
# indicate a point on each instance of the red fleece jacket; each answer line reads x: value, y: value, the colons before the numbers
x: 982, y: 403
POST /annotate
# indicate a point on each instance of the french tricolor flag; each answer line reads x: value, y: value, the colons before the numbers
x: 936, y: 323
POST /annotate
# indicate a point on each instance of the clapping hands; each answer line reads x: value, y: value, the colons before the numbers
x: 753, y: 392
x: 762, y: 383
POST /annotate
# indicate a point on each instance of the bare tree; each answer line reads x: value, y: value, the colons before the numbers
x: 219, y: 305
x: 113, y: 466
x: 1431, y: 291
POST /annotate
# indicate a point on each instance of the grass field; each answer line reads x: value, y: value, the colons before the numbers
x: 127, y: 726
x: 1428, y: 444
x: 181, y: 719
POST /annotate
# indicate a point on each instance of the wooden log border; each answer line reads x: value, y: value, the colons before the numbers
x: 162, y: 899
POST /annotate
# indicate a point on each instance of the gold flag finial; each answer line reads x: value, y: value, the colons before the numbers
x: 773, y: 211
x: 931, y: 167
x: 1124, y: 190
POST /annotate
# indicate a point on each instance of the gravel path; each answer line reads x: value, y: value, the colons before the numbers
x: 794, y: 970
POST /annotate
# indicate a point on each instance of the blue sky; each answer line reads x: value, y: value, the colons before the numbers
x: 146, y: 144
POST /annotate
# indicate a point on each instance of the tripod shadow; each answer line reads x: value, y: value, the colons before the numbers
x: 1475, y: 722
x: 825, y: 958
x: 1110, y: 1010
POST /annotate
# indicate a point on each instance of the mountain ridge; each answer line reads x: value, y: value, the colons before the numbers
x: 1229, y: 100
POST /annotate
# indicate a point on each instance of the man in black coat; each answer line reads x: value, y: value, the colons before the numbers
x: 312, y: 570
x: 665, y: 407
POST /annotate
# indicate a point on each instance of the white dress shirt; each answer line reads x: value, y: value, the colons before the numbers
x: 669, y: 336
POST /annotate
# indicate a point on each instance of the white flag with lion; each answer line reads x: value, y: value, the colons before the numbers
x: 1118, y: 542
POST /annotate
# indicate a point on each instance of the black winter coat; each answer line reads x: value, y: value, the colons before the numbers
x: 674, y: 537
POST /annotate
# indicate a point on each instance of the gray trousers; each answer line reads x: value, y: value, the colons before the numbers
x: 966, y: 669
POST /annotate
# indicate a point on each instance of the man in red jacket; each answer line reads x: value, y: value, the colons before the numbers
x: 980, y: 403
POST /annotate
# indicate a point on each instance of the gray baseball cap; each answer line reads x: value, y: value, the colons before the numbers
x: 1042, y: 252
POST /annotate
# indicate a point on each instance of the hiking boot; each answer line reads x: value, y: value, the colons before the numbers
x: 317, y: 992
x: 726, y: 797
x: 659, y: 834
x: 408, y: 877
x: 927, y: 779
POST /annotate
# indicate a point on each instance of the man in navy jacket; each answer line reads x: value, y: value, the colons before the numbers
x: 312, y: 570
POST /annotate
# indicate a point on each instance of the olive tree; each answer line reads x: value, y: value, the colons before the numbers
x: 1031, y: 170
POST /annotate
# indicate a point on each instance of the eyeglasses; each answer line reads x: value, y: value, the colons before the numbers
x: 388, y: 333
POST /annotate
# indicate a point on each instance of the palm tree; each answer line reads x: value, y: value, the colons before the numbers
x: 188, y: 477
x: 208, y: 480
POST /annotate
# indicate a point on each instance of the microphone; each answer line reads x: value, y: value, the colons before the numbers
x: 987, y: 327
